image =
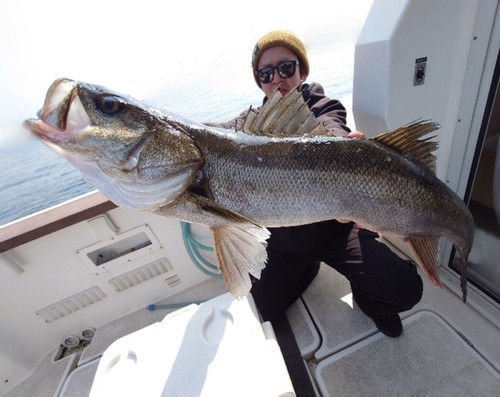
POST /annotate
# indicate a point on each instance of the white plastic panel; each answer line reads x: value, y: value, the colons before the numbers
x: 460, y: 44
x: 396, y: 34
x: 53, y: 272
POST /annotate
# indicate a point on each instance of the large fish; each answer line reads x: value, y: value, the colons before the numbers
x: 275, y: 172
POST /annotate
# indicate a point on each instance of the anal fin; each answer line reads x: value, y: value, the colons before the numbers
x: 425, y: 250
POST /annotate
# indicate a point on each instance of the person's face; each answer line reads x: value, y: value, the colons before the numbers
x: 273, y: 57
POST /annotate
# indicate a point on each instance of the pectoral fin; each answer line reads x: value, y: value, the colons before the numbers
x: 239, y: 244
x: 425, y: 250
x: 240, y: 250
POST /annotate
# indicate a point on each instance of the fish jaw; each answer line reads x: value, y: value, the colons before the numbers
x: 120, y: 153
x: 62, y: 116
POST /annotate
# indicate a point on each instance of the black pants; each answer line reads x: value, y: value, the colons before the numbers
x: 382, y: 283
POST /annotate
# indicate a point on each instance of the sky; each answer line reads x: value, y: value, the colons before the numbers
x: 145, y: 47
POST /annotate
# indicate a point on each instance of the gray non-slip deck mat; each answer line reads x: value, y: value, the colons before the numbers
x: 429, y: 359
x: 339, y: 320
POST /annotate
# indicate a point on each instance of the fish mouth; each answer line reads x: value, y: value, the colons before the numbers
x: 62, y: 115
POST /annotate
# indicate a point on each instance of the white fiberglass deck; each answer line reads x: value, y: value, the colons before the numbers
x: 447, y: 348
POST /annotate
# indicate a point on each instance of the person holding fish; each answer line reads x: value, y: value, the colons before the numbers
x: 282, y: 189
x: 382, y: 283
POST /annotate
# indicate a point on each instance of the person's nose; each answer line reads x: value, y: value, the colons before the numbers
x: 277, y: 79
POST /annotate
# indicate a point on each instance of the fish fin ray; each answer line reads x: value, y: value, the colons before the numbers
x: 219, y: 210
x: 249, y: 120
x: 240, y: 251
x: 407, y: 139
x: 284, y: 116
x: 464, y: 253
x: 239, y: 244
x: 425, y: 250
x: 253, y: 124
x: 463, y: 277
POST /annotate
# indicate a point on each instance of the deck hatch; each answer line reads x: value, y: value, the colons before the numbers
x: 120, y: 249
x: 71, y: 304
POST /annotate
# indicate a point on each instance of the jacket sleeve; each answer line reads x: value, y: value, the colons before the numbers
x: 329, y: 112
x: 234, y: 124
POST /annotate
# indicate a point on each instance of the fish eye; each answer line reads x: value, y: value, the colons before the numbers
x: 110, y: 105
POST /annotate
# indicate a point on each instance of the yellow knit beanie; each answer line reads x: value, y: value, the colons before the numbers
x: 279, y: 38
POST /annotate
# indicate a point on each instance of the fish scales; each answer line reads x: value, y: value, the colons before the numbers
x: 290, y: 182
x: 240, y: 183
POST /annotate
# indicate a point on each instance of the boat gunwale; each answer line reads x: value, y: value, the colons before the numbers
x: 53, y: 219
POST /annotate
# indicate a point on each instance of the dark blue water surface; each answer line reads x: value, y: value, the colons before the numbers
x: 37, y: 179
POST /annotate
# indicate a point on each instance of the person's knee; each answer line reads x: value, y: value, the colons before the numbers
x: 409, y: 289
x: 390, y: 293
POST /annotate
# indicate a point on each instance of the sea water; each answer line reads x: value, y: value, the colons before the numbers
x: 34, y: 178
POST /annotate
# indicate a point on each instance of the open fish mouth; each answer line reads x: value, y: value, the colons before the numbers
x: 62, y: 116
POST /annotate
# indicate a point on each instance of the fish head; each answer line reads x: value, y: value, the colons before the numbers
x: 138, y: 157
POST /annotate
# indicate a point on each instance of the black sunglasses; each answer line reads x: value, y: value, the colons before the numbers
x: 285, y: 69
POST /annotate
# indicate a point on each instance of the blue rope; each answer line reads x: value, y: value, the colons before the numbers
x: 172, y: 305
x: 193, y: 247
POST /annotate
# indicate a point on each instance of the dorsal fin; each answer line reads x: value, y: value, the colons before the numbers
x: 290, y: 116
x: 407, y: 139
x: 283, y: 116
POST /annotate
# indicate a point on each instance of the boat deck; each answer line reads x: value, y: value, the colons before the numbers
x: 447, y: 348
